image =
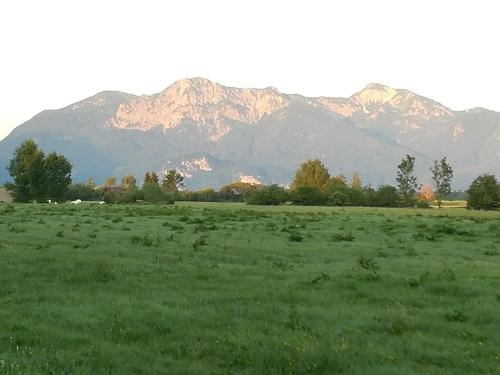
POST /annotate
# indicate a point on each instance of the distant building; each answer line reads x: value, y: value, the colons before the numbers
x: 5, y: 195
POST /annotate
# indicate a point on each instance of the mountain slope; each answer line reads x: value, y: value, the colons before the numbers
x: 216, y: 134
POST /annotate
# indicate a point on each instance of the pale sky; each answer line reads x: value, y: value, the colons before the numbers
x: 54, y: 53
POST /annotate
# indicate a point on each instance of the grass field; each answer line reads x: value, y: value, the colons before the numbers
x: 235, y: 289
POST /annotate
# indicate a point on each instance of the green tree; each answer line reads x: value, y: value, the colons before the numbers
x: 57, y: 177
x: 27, y: 170
x: 312, y: 173
x: 484, y: 193
x: 172, y: 181
x: 407, y: 182
x: 442, y: 174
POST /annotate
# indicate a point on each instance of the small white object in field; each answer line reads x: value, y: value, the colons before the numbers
x: 101, y: 203
x: 78, y: 201
x: 49, y: 201
x: 56, y: 203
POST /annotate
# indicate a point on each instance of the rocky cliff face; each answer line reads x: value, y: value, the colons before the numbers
x: 208, y: 104
x: 216, y: 134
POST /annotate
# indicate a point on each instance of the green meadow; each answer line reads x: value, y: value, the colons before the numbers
x: 234, y: 289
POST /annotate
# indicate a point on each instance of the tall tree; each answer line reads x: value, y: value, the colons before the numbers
x: 172, y: 180
x: 356, y: 181
x: 155, y: 179
x: 442, y: 174
x: 27, y: 170
x: 151, y: 178
x: 340, y: 178
x: 110, y: 182
x: 407, y: 182
x: 91, y: 183
x: 312, y: 173
x: 128, y: 183
x: 57, y: 177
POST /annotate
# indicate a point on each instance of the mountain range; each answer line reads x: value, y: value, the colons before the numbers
x: 215, y: 134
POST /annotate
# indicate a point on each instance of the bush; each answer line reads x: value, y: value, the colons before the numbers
x: 342, y: 195
x: 110, y: 197
x: 236, y: 191
x: 154, y: 193
x: 268, y: 195
x: 386, y: 196
x: 83, y: 192
x: 484, y: 193
x: 131, y: 196
x: 205, y: 195
x: 308, y: 196
x: 337, y: 198
x: 422, y: 204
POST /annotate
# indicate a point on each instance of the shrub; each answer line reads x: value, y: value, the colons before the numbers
x: 386, y: 196
x: 83, y: 192
x: 268, y: 195
x: 131, y: 195
x: 154, y: 193
x: 110, y: 197
x: 422, y: 204
x: 308, y: 196
x: 337, y: 198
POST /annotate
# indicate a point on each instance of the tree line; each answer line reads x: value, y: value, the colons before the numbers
x: 313, y: 185
x: 39, y: 177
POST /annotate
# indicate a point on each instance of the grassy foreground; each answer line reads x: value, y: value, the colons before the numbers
x: 235, y: 289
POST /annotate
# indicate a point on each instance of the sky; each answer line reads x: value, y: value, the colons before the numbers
x: 54, y: 53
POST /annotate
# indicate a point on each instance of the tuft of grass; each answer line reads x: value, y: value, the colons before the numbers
x: 295, y: 237
x: 456, y: 316
x: 144, y: 240
x: 339, y: 237
x: 199, y: 243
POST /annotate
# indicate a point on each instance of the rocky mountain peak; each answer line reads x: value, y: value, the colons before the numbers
x: 208, y: 104
x: 375, y: 93
x: 377, y: 98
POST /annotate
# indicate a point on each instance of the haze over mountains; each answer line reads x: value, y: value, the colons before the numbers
x: 216, y: 134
